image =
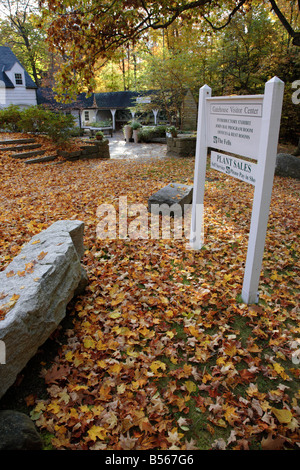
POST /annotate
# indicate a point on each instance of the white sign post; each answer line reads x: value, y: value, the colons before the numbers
x: 246, y: 126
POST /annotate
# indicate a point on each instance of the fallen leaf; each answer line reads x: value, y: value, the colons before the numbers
x: 271, y: 443
x: 283, y: 416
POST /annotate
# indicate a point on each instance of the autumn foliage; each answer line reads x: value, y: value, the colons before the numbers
x: 161, y: 353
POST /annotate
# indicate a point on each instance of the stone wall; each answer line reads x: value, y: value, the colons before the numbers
x: 98, y: 149
x: 181, y: 146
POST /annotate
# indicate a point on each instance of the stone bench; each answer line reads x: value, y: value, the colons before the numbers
x: 35, y: 289
x: 174, y: 196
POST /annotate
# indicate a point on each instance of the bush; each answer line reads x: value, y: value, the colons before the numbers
x: 58, y: 127
x: 35, y: 119
x: 135, y: 125
x: 10, y: 118
x: 147, y: 133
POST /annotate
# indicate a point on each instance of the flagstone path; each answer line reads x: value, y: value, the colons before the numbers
x: 120, y: 149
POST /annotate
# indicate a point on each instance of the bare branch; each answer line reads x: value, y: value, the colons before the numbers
x: 294, y: 34
x: 230, y: 16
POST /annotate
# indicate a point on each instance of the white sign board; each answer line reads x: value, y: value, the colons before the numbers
x: 246, y: 126
x: 143, y: 99
x: 234, y: 124
x: 240, y: 169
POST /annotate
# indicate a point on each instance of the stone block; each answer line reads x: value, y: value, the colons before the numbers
x: 174, y: 194
x: 35, y: 289
x: 17, y: 432
x: 287, y: 165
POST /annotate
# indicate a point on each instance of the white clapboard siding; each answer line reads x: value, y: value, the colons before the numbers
x: 19, y: 95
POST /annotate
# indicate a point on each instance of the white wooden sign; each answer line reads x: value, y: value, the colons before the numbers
x: 240, y: 169
x: 234, y: 125
x: 247, y: 126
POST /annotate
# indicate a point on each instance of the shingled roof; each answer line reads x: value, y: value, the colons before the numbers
x: 116, y: 99
x: 7, y: 61
x: 46, y: 97
x: 108, y: 100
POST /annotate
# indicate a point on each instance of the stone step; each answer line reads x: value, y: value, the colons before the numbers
x: 46, y: 158
x: 17, y: 141
x: 28, y: 154
x: 20, y: 147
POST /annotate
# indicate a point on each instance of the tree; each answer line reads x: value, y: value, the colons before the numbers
x: 84, y: 31
x: 245, y: 51
x: 19, y: 31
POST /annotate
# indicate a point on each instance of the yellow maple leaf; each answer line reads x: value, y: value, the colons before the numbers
x: 131, y: 352
x: 89, y: 343
x: 119, y: 299
x: 97, y: 432
x: 115, y: 369
x: 170, y: 334
x: 121, y: 388
x: 115, y: 314
x: 206, y: 377
x: 157, y: 365
x: 42, y: 255
x: 69, y: 356
x: 54, y: 408
x: 280, y: 370
x: 230, y: 415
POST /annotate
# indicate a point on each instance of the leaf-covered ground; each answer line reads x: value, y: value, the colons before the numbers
x: 162, y: 354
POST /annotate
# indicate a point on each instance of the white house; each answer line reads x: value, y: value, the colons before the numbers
x: 16, y: 85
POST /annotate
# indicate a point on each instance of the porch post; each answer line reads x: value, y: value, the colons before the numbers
x: 155, y: 112
x: 113, y: 113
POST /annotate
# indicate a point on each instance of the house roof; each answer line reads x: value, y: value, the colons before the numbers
x: 45, y: 96
x: 116, y: 99
x: 7, y: 61
x: 108, y: 100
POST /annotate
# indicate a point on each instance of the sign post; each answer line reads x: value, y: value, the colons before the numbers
x: 247, y: 126
x: 196, y: 238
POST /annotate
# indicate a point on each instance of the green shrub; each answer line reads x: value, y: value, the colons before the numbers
x: 147, y: 133
x: 10, y: 118
x: 35, y: 119
x: 135, y: 125
x: 77, y: 132
x: 58, y: 127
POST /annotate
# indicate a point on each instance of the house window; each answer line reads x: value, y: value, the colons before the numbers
x: 18, y: 79
x: 86, y: 115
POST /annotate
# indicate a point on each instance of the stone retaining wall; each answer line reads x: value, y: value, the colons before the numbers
x: 182, y: 146
x: 98, y: 149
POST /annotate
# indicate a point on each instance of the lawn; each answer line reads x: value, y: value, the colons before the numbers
x: 160, y: 352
